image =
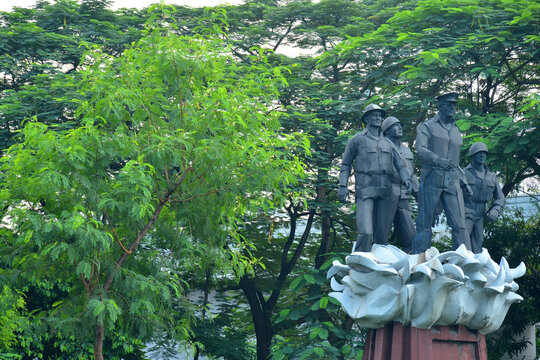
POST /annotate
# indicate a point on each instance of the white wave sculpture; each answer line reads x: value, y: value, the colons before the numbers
x: 450, y: 288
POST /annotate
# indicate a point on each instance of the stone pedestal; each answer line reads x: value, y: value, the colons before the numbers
x: 398, y: 342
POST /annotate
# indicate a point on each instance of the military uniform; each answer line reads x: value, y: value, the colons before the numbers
x: 436, y: 140
x: 403, y: 222
x: 375, y: 160
x: 485, y: 187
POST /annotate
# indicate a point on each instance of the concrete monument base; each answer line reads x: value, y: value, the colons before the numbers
x: 398, y: 342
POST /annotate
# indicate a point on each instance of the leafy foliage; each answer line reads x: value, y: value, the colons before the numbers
x: 177, y: 156
x: 10, y: 317
x: 524, y: 246
x: 173, y: 135
x: 41, y: 49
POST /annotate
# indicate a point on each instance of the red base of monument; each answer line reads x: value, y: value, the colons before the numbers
x: 398, y: 342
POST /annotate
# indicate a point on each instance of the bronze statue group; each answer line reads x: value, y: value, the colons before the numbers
x: 384, y: 181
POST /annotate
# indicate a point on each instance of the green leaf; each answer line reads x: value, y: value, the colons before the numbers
x: 307, y: 353
x: 85, y: 269
x: 295, y: 315
x: 323, y: 302
x: 284, y: 312
x: 295, y: 284
x: 463, y: 124
x: 113, y: 311
x: 314, y: 332
x: 96, y: 307
x: 310, y: 278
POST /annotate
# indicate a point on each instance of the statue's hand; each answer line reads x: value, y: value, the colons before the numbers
x: 445, y: 163
x: 491, y: 215
x: 408, y: 187
x: 343, y: 193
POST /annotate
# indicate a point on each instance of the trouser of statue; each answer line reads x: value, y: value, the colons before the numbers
x: 475, y: 229
x: 404, y: 225
x: 451, y: 199
x: 373, y: 222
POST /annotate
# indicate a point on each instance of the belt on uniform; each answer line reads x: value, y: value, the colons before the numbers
x: 431, y: 167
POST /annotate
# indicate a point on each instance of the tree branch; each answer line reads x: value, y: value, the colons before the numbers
x: 148, y: 226
x: 114, y: 234
x: 283, y: 37
x: 287, y: 267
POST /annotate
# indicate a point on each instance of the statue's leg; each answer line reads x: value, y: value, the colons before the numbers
x: 364, y: 224
x: 477, y: 235
x: 469, y: 222
x: 363, y: 243
x: 404, y: 225
x: 384, y: 208
x: 428, y: 198
x: 455, y: 214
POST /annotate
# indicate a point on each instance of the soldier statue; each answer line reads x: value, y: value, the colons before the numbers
x: 375, y: 160
x: 403, y: 222
x: 485, y: 187
x: 438, y: 144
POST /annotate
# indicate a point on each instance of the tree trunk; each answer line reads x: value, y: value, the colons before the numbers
x: 98, y: 345
x: 205, y: 303
x: 261, y: 318
x: 197, y: 351
x: 261, y: 308
x: 326, y: 222
x: 323, y: 189
x: 326, y: 243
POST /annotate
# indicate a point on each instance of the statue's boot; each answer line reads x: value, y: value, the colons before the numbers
x: 363, y: 243
x: 422, y: 241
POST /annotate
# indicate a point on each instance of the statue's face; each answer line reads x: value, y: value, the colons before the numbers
x: 374, y: 118
x: 447, y: 108
x: 480, y: 157
x: 395, y: 131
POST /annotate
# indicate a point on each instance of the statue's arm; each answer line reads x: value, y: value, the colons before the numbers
x: 498, y: 200
x: 400, y: 166
x: 425, y: 155
x: 464, y: 183
x: 346, y: 163
x: 345, y: 171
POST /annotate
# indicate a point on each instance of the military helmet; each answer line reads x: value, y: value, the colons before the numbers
x: 388, y: 123
x: 370, y: 108
x: 477, y: 147
x: 449, y: 97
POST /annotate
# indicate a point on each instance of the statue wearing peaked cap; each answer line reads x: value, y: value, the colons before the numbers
x: 438, y: 145
x: 485, y: 188
x: 375, y: 160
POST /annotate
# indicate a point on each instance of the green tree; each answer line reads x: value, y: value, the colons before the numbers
x: 41, y: 51
x: 10, y: 318
x: 313, y: 98
x: 175, y: 143
x: 524, y: 246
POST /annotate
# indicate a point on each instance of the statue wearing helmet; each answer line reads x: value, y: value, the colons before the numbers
x: 375, y: 160
x: 403, y: 222
x: 485, y: 187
